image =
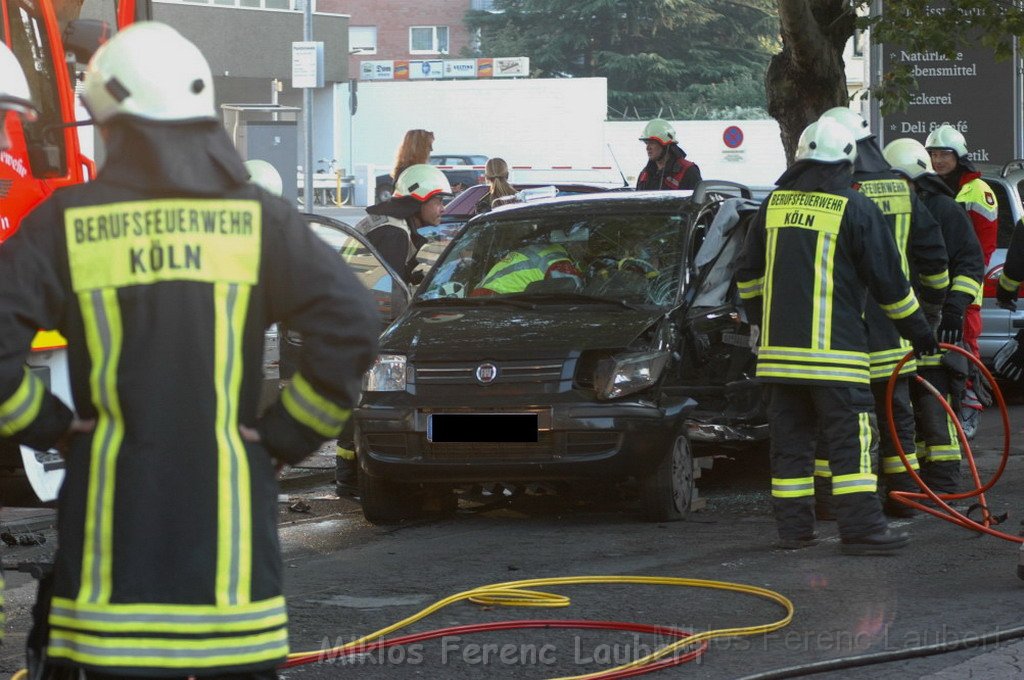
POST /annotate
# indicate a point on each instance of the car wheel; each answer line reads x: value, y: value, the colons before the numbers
x: 387, y: 502
x: 383, y: 194
x: 666, y: 494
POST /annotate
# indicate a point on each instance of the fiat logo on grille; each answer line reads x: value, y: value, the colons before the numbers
x: 486, y: 373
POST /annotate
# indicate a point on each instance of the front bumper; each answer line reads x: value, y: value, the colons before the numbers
x: 576, y: 440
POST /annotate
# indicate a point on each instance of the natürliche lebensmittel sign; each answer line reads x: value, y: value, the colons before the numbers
x: 971, y: 91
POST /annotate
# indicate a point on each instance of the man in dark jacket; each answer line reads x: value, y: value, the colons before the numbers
x: 163, y: 274
x: 816, y: 247
x: 667, y: 167
x: 940, y: 457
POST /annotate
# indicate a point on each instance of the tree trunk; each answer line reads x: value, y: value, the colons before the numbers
x: 808, y: 76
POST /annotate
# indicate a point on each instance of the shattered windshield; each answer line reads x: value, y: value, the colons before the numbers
x: 622, y: 258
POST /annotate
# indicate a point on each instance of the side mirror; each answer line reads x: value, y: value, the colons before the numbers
x: 82, y: 37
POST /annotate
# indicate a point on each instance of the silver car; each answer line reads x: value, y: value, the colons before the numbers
x: 1000, y: 325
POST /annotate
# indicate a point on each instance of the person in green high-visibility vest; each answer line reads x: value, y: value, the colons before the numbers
x: 526, y: 265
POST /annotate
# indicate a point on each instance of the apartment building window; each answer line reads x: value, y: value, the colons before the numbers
x: 249, y: 4
x: 362, y: 39
x: 428, y: 40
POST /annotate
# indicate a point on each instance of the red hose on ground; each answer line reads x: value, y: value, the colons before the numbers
x: 314, y: 657
x: 947, y: 513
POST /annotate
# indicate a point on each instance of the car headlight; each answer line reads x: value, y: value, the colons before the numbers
x: 386, y: 375
x: 625, y: 374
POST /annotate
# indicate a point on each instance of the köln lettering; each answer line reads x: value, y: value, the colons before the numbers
x: 158, y: 257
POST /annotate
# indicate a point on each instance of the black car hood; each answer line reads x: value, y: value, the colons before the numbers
x: 499, y: 331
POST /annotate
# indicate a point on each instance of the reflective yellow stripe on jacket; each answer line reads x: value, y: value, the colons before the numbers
x: 22, y: 407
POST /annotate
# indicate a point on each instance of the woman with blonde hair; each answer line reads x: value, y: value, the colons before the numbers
x: 415, y: 150
x: 496, y: 176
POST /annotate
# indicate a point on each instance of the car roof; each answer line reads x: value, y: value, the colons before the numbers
x: 465, y: 202
x: 633, y: 201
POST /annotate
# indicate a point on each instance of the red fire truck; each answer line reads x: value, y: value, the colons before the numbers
x: 52, y: 40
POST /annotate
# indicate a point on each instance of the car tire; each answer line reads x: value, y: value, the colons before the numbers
x: 666, y: 493
x: 387, y: 502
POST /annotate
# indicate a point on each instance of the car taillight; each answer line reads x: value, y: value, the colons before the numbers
x: 992, y: 280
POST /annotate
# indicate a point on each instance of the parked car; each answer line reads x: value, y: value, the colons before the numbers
x: 606, y: 375
x: 459, y: 177
x: 998, y: 324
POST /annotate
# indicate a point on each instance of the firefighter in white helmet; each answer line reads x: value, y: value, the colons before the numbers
x: 667, y: 167
x: 940, y: 455
x: 391, y: 226
x: 265, y: 175
x: 163, y: 274
x: 923, y: 260
x: 948, y: 150
x: 815, y: 248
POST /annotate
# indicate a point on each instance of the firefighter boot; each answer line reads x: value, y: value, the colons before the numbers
x: 794, y: 518
x: 346, y: 473
x: 897, y: 482
x: 862, y: 527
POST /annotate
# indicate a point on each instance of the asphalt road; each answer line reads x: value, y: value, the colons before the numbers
x: 346, y: 578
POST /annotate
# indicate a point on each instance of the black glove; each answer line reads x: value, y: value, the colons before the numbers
x: 925, y: 344
x: 415, y: 278
x: 1007, y: 299
x: 951, y: 328
x: 1009, y: 360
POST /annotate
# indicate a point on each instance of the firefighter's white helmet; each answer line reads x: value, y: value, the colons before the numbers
x: 14, y: 92
x: 908, y: 157
x: 149, y: 71
x: 826, y: 141
x: 422, y: 182
x: 851, y: 120
x: 661, y: 131
x: 265, y: 175
x: 947, y: 137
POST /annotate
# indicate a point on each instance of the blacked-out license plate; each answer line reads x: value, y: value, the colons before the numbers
x: 482, y: 427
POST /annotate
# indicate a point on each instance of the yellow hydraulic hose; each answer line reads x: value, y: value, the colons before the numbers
x: 516, y: 593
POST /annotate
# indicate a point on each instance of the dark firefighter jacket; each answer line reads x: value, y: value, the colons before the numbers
x: 919, y: 240
x: 921, y: 248
x: 808, y: 258
x: 966, y: 262
x: 163, y: 275
x: 1013, y: 269
x: 678, y: 172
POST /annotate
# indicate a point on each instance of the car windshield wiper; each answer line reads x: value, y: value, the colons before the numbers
x: 471, y: 302
x: 575, y: 297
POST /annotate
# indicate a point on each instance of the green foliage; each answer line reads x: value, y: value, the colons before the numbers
x: 695, y: 57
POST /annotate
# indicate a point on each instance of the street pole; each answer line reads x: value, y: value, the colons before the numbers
x: 307, y: 117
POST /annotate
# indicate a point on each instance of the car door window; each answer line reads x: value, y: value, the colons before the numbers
x: 389, y: 293
x: 1005, y: 214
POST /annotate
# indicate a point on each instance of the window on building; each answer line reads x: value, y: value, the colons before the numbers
x: 251, y: 4
x: 428, y: 40
x: 362, y: 39
x: 482, y: 5
x: 859, y: 39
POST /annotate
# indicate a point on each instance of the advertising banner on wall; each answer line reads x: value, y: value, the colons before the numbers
x: 460, y: 68
x: 426, y: 69
x: 434, y: 69
x: 377, y: 70
x: 511, y: 67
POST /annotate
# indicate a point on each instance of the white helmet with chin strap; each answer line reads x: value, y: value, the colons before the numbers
x: 826, y: 141
x: 947, y: 137
x: 851, y: 120
x: 908, y: 157
x: 422, y: 182
x: 14, y: 92
x: 265, y: 175
x: 149, y: 71
x: 660, y: 131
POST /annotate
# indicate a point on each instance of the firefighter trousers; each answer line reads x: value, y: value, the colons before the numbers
x: 893, y: 473
x: 844, y: 419
x: 939, y: 445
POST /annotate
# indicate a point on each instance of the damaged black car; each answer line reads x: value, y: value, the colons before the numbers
x: 581, y: 338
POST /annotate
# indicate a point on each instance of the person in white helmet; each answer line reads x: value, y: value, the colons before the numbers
x: 923, y: 260
x: 265, y: 175
x: 667, y: 167
x: 816, y: 247
x: 391, y: 226
x: 15, y: 98
x: 163, y: 274
x: 940, y: 456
